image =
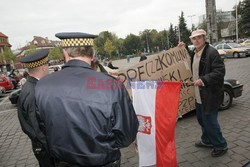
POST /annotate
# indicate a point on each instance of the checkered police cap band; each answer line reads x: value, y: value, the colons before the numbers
x: 74, y: 42
x: 37, y: 63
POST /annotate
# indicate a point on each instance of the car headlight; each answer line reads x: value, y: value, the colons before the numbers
x: 237, y: 82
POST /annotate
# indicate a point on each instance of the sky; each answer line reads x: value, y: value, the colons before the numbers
x: 22, y: 19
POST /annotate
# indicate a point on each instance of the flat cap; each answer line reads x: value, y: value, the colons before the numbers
x: 76, y: 39
x: 197, y: 32
x: 36, y: 59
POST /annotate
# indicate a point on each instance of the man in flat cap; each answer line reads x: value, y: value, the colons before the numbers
x: 88, y: 115
x: 208, y: 75
x: 37, y: 64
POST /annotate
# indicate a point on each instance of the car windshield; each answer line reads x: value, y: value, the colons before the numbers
x: 235, y: 45
x: 191, y: 47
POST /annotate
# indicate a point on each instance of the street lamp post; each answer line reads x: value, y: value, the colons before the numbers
x: 147, y: 42
x: 167, y: 40
x: 236, y: 19
x: 191, y: 16
x: 179, y: 33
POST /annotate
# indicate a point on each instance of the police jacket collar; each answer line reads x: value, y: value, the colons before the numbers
x: 77, y: 63
x: 32, y: 79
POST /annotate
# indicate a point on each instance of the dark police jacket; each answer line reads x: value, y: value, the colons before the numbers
x: 88, y: 117
x: 27, y: 113
x: 211, y: 72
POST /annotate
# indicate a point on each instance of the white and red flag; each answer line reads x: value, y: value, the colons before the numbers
x: 156, y: 106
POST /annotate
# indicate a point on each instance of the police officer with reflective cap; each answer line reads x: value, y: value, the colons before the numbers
x: 88, y: 116
x: 37, y: 64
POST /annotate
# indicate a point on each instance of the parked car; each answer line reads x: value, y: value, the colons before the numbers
x: 232, y: 89
x: 13, y: 97
x: 14, y: 81
x: 6, y: 83
x: 233, y: 49
x: 221, y: 52
x: 55, y: 68
x: 246, y: 43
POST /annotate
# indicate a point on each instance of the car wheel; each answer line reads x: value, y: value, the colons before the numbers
x: 227, y: 100
x: 236, y: 55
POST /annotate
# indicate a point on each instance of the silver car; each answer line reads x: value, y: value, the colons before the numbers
x: 233, y: 49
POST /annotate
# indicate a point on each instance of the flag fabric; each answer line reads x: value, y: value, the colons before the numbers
x: 156, y: 106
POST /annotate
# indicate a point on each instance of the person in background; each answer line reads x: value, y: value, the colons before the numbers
x: 37, y: 64
x: 97, y: 66
x: 110, y: 65
x: 88, y: 116
x: 23, y: 80
x: 208, y: 74
x: 128, y: 58
x: 143, y: 57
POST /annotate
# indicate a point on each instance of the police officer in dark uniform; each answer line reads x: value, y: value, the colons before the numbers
x: 88, y: 116
x: 37, y: 64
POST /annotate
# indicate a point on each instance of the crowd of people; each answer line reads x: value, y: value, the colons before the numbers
x: 71, y: 125
x: 16, y: 77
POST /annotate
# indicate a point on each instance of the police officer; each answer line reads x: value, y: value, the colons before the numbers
x: 37, y: 64
x: 88, y: 116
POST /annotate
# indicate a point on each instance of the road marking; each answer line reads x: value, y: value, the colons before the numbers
x: 5, y: 99
x: 8, y: 110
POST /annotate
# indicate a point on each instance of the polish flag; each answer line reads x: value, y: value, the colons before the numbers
x: 156, y: 106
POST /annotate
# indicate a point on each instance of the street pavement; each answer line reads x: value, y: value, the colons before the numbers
x: 15, y: 147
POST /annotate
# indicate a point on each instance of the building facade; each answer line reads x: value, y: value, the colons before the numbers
x: 4, y: 42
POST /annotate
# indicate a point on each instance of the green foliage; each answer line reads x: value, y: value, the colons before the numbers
x: 203, y: 25
x: 173, y: 40
x: 7, y: 55
x: 162, y: 40
x: 101, y: 40
x: 185, y: 33
x: 244, y: 23
x: 132, y: 44
x: 30, y: 49
x: 146, y: 42
x: 109, y: 47
x: 150, y: 40
x: 55, y: 54
x: 243, y: 10
x: 193, y: 27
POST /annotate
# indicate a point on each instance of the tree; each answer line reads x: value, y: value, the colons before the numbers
x: 193, y: 27
x: 244, y: 22
x: 132, y: 44
x: 145, y: 40
x: 155, y: 40
x: 149, y: 40
x: 172, y: 36
x: 203, y: 25
x: 240, y: 11
x: 162, y: 40
x: 120, y: 47
x: 184, y: 32
x: 30, y: 49
x: 108, y: 47
x: 7, y: 55
x: 55, y: 54
x: 101, y: 40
